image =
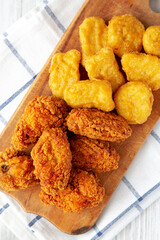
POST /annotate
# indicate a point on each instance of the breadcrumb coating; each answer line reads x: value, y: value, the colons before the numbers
x: 16, y: 170
x: 52, y: 159
x: 40, y: 113
x: 96, y: 124
x: 83, y: 191
x: 93, y: 155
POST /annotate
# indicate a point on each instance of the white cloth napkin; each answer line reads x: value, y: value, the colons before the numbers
x: 24, y: 49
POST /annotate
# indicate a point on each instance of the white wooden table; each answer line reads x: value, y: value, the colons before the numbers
x: 144, y: 227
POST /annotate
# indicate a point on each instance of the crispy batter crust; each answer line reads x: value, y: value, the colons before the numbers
x: 93, y: 155
x: 96, y: 124
x: 16, y: 170
x: 83, y: 191
x: 40, y: 113
x: 52, y: 159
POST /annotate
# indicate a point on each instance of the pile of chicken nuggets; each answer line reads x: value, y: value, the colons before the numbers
x: 63, y: 141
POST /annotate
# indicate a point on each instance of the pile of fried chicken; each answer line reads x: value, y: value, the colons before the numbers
x: 62, y: 149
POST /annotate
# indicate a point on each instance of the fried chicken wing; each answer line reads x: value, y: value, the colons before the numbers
x: 93, y: 155
x: 83, y: 191
x: 16, y: 170
x: 96, y: 124
x: 52, y: 159
x: 40, y: 113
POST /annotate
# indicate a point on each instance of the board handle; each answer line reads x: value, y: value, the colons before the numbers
x: 141, y: 9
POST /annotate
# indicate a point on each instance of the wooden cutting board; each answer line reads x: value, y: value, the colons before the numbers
x: 77, y: 223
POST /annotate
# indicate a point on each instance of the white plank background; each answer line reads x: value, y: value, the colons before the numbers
x: 144, y: 227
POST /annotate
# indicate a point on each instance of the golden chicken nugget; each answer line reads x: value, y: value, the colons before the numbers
x: 142, y: 67
x: 134, y: 102
x: 125, y: 34
x: 93, y: 34
x: 64, y: 70
x: 91, y: 94
x: 151, y: 40
x: 103, y: 65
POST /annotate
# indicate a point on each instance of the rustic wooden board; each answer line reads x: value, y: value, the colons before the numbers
x: 76, y: 223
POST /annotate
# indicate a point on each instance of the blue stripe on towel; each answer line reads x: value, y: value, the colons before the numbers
x: 130, y: 187
x: 3, y: 120
x: 5, y: 34
x: 10, y: 99
x: 4, y: 208
x: 133, y: 190
x: 96, y: 228
x: 45, y: 1
x: 155, y: 136
x: 34, y: 220
x: 55, y: 19
x: 19, y: 57
x: 125, y: 211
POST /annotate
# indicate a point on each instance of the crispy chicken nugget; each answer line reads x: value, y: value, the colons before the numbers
x: 125, y: 34
x: 151, y: 40
x: 93, y: 155
x: 103, y: 65
x: 52, y: 159
x: 93, y: 34
x: 142, y: 67
x: 90, y: 93
x: 96, y: 124
x: 16, y: 170
x: 83, y: 191
x: 40, y: 113
x: 134, y: 102
x: 64, y: 70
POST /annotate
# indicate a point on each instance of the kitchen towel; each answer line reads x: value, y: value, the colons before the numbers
x: 24, y: 48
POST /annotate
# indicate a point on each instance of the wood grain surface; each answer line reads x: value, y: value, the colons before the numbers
x: 76, y: 223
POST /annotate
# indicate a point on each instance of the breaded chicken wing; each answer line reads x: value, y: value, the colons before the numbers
x: 52, y: 159
x: 16, y: 170
x: 96, y: 124
x: 40, y: 113
x: 83, y: 191
x: 93, y: 155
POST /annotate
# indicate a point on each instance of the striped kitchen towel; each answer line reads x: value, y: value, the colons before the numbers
x: 24, y: 49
